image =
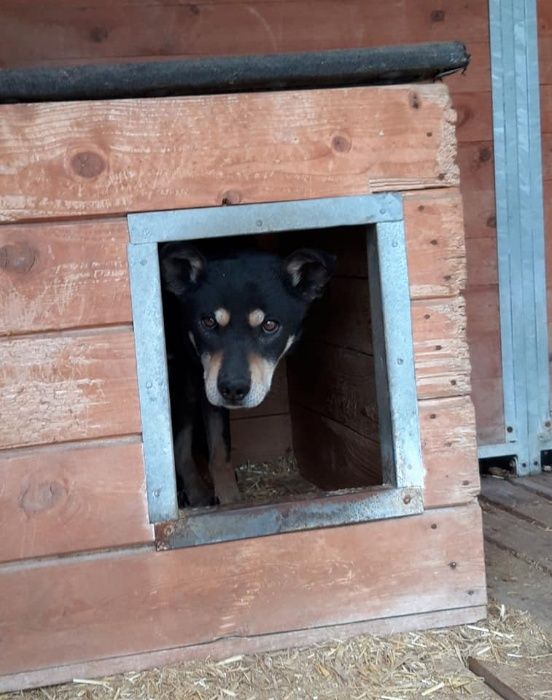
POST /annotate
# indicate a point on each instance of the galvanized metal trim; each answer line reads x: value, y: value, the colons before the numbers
x: 209, y: 527
x: 393, y: 336
x: 153, y: 386
x: 520, y: 228
x: 247, y: 219
x: 504, y: 449
x: 394, y: 356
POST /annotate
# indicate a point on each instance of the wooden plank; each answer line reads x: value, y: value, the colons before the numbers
x: 261, y: 438
x: 342, y: 316
x: 477, y: 77
x: 491, y: 678
x: 484, y: 343
x: 475, y: 160
x: 489, y: 410
x: 83, y: 609
x: 523, y: 539
x: 482, y: 262
x: 72, y: 498
x: 540, y: 483
x: 447, y: 428
x: 474, y: 116
x: 337, y: 383
x: 332, y: 455
x: 524, y: 679
x: 446, y: 20
x: 62, y: 31
x: 56, y: 276
x: 479, y: 209
x: 119, y: 156
x: 517, y: 500
x: 57, y: 388
x: 440, y: 348
x: 225, y: 648
x: 435, y: 243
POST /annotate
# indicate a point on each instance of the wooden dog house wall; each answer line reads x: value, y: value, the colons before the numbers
x: 84, y: 590
x: 62, y: 33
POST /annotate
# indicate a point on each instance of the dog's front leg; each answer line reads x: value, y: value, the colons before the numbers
x: 220, y: 466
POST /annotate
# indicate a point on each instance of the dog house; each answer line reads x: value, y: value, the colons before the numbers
x: 100, y: 572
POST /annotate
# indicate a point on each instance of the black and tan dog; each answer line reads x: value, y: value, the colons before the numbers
x: 229, y: 320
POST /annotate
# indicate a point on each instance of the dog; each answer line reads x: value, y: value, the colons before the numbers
x: 230, y: 318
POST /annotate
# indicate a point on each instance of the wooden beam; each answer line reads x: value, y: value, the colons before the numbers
x: 72, y: 498
x: 112, y: 157
x: 58, y: 388
x: 87, y: 608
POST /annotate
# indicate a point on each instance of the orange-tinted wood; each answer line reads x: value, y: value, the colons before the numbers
x: 434, y: 229
x: 447, y: 428
x: 57, y: 388
x: 76, y: 610
x: 70, y: 275
x: 440, y: 347
x: 106, y: 157
x: 225, y: 648
x: 72, y: 498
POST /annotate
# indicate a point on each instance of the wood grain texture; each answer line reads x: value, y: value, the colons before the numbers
x: 79, y: 610
x: 449, y: 450
x: 519, y: 501
x: 333, y: 455
x: 440, y: 347
x: 225, y: 648
x: 434, y: 229
x: 64, y: 32
x: 55, y: 276
x: 338, y: 383
x: 72, y: 498
x: 57, y: 388
x: 109, y: 157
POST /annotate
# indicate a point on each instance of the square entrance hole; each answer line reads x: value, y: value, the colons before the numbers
x: 317, y: 430
x: 337, y: 439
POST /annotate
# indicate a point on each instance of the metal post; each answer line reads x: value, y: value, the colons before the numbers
x: 520, y: 233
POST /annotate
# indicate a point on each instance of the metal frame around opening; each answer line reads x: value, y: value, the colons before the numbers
x: 403, y: 470
x: 520, y: 235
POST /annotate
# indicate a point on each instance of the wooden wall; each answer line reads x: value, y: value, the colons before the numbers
x: 91, y: 31
x: 86, y: 591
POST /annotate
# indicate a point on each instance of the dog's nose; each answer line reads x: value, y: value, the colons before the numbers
x: 234, y: 392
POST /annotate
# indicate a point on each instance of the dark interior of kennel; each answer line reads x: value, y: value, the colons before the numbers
x: 317, y: 430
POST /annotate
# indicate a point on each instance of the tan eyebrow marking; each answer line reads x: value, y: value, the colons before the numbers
x: 255, y: 318
x: 222, y: 317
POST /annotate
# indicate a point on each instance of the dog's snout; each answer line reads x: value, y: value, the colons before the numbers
x: 234, y: 392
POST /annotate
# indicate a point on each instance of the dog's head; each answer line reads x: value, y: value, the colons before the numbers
x: 242, y: 313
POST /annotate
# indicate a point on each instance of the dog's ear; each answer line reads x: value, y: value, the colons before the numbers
x: 182, y: 266
x: 309, y: 271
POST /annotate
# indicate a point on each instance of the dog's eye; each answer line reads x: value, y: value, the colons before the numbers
x: 270, y: 326
x: 208, y: 322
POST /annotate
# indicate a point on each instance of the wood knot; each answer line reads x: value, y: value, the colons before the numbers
x: 438, y: 16
x: 43, y: 496
x: 98, y: 34
x: 414, y: 100
x: 491, y: 221
x: 88, y: 164
x: 17, y: 257
x: 341, y: 143
x: 484, y: 154
x: 230, y: 197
